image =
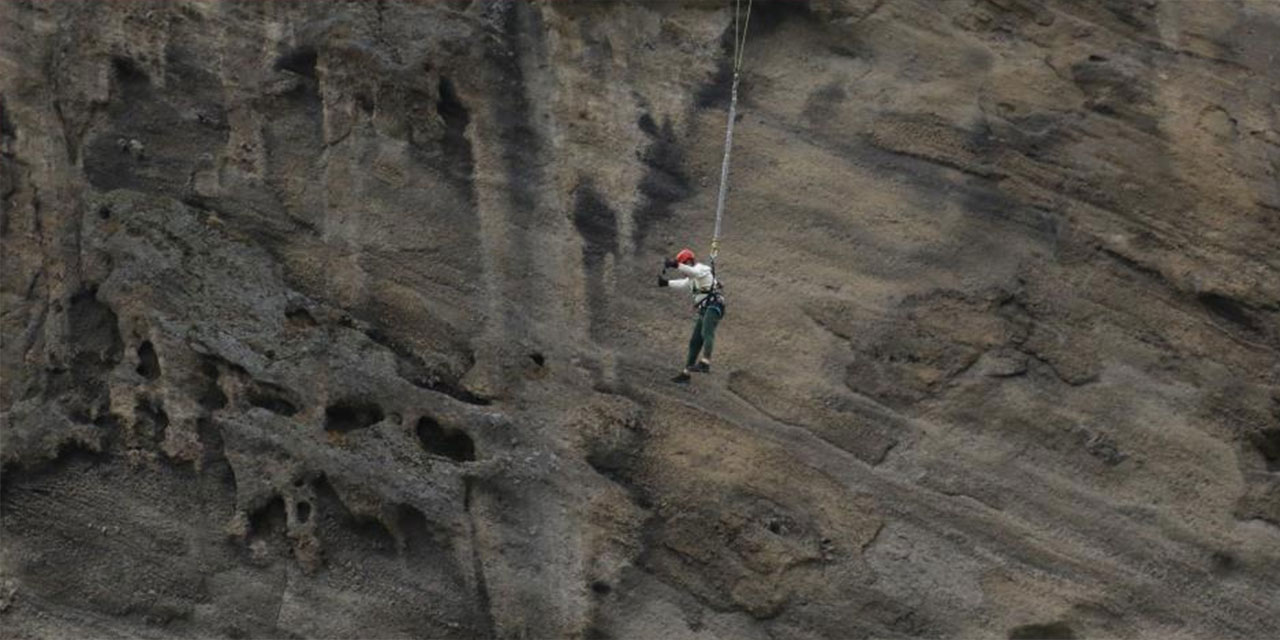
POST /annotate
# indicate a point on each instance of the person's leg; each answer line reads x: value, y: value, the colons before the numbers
x: 710, y: 319
x: 695, y: 342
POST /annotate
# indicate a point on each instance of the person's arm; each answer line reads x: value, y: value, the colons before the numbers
x: 694, y: 270
x: 691, y: 271
x: 678, y: 283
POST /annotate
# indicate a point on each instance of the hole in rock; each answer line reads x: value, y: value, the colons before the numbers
x: 610, y: 464
x: 1224, y: 562
x: 423, y: 380
x: 273, y: 398
x: 150, y: 418
x: 453, y: 391
x: 104, y: 212
x: 365, y: 102
x: 450, y: 443
x: 456, y: 146
x: 269, y: 518
x: 647, y: 124
x: 74, y: 451
x: 414, y: 528
x: 1228, y: 309
x: 346, y: 532
x: 304, y: 512
x: 600, y: 587
x: 301, y: 61
x: 538, y: 358
x: 95, y: 335
x: 1050, y: 631
x: 769, y: 16
x: 1268, y: 443
x: 127, y: 71
x: 299, y: 317
x: 213, y: 447
x: 148, y: 363
x: 80, y: 415
x: 107, y: 421
x: 374, y: 533
x: 451, y: 109
x: 209, y: 393
x: 73, y: 456
x: 349, y: 415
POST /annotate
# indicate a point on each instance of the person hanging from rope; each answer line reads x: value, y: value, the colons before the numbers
x: 708, y: 303
x: 700, y: 279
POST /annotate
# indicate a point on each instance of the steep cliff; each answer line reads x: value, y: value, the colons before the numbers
x: 335, y: 319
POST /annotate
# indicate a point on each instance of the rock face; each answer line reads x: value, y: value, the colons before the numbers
x: 338, y: 320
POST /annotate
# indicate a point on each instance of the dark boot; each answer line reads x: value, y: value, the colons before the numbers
x: 681, y: 377
x: 701, y: 367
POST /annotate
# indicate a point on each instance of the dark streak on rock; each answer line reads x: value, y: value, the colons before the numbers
x: 7, y: 128
x: 597, y: 224
x: 459, y: 157
x: 477, y: 563
x: 664, y: 183
x: 514, y: 113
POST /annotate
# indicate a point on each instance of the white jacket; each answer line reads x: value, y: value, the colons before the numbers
x: 699, y: 280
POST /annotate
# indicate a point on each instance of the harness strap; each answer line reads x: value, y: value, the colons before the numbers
x: 713, y: 295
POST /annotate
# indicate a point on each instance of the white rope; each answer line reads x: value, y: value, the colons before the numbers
x: 739, y: 45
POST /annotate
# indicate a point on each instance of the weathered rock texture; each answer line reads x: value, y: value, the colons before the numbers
x: 337, y: 320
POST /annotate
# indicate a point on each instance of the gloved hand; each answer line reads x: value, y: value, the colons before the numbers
x: 670, y: 263
x: 662, y: 282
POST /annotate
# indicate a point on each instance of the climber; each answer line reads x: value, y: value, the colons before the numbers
x: 708, y: 302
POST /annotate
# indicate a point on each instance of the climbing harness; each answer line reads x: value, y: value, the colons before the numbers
x: 741, y: 21
x: 712, y: 296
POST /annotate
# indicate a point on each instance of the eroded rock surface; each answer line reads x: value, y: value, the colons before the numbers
x: 337, y: 320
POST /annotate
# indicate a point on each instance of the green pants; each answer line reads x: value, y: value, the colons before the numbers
x: 704, y: 333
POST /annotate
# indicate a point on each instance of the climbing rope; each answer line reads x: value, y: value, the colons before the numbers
x: 740, y: 23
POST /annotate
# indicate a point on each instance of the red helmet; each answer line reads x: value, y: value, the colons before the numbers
x: 685, y: 257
